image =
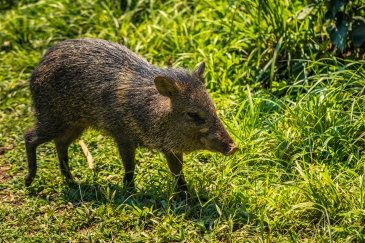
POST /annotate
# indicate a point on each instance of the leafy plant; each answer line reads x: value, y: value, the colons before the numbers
x: 346, y: 24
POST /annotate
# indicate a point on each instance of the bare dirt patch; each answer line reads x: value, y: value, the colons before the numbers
x: 4, y: 175
x: 3, y: 149
x: 7, y: 195
x: 4, y: 167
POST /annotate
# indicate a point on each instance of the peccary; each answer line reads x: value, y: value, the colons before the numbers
x: 95, y: 83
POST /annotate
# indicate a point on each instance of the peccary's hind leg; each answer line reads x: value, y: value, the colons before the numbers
x: 127, y: 153
x: 175, y: 161
x: 62, y: 142
x: 32, y: 139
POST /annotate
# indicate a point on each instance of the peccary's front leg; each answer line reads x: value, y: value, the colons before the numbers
x: 175, y: 161
x: 127, y: 153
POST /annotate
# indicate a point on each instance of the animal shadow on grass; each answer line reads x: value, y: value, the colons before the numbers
x: 116, y: 194
x: 200, y: 207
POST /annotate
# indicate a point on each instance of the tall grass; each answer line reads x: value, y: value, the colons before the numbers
x: 255, y: 42
x: 296, y: 111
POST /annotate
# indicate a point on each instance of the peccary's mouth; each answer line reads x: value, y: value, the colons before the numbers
x: 230, y: 150
x: 215, y: 146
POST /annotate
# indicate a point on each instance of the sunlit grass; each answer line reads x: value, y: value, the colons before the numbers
x: 299, y: 174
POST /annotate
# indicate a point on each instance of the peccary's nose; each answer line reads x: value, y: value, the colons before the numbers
x: 231, y: 149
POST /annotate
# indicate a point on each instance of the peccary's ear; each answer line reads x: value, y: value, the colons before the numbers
x: 166, y: 86
x: 199, y: 71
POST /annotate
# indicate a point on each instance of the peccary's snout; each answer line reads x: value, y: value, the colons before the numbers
x: 231, y: 149
x: 219, y: 141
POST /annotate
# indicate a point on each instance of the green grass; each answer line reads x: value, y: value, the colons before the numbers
x: 296, y: 111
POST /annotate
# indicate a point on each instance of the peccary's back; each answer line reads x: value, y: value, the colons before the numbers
x: 80, y: 79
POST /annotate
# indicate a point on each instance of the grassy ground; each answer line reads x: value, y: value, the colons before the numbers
x: 296, y: 111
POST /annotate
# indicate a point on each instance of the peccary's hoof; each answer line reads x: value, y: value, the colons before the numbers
x: 71, y: 182
x: 129, y: 186
x: 28, y: 180
x: 183, y: 196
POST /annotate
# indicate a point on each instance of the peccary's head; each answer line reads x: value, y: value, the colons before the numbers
x: 191, y: 119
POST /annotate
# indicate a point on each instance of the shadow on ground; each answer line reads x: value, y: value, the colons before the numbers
x: 201, y: 207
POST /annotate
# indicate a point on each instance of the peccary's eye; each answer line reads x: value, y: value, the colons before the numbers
x: 195, y: 117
